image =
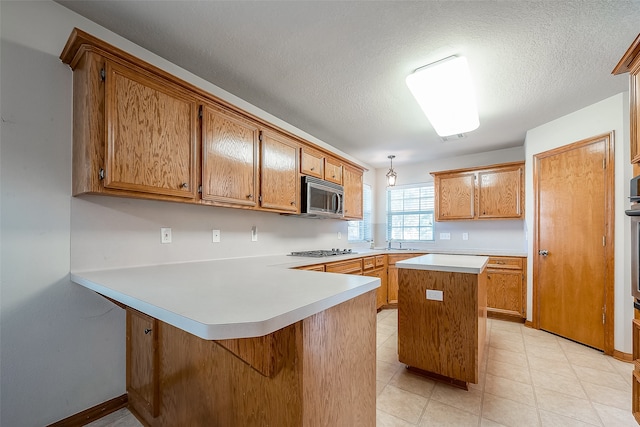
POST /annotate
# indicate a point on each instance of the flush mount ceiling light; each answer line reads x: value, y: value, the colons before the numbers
x: 391, y: 175
x: 445, y: 94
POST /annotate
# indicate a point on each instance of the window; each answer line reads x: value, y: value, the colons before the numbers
x: 410, y: 212
x: 359, y: 231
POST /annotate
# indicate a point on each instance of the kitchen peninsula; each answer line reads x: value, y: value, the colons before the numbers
x: 442, y: 316
x: 245, y: 341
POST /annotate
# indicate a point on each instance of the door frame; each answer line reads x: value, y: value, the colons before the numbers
x: 609, y: 249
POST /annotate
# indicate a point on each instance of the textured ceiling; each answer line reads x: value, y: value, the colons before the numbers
x: 336, y: 69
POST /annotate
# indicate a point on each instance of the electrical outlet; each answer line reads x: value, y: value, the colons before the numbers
x: 215, y: 236
x: 254, y: 234
x: 339, y: 235
x: 165, y: 235
x: 465, y: 236
x: 445, y: 236
x: 435, y: 295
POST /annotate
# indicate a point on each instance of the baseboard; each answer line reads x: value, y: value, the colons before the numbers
x: 89, y: 415
x: 528, y: 324
x: 625, y: 357
x: 493, y: 314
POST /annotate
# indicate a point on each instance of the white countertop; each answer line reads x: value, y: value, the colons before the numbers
x: 473, y: 264
x: 231, y: 298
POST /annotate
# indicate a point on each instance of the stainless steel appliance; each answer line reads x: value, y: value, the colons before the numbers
x: 323, y: 253
x: 321, y: 199
x: 634, y: 214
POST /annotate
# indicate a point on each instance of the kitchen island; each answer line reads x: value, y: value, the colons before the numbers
x: 442, y: 316
x: 245, y: 342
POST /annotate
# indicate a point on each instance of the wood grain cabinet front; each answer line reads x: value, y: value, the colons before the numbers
x: 333, y: 170
x: 352, y: 266
x: 630, y: 63
x: 381, y: 292
x: 143, y: 363
x: 311, y: 162
x: 492, y: 192
x: 635, y: 375
x: 353, y: 193
x: 392, y: 271
x: 506, y: 288
x: 279, y: 183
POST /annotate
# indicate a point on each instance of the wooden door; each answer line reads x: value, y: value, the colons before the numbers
x: 151, y: 134
x: 353, y: 189
x: 279, y: 183
x: 455, y: 196
x: 229, y: 157
x: 499, y: 193
x: 573, y: 247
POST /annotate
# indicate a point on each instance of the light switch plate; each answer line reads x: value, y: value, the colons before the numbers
x: 165, y: 235
x: 254, y: 234
x: 465, y: 236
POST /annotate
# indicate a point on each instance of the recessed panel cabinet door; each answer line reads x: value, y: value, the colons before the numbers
x: 455, y: 195
x: 279, y: 173
x: 229, y: 157
x: 500, y: 193
x: 143, y: 361
x: 353, y: 206
x: 151, y: 134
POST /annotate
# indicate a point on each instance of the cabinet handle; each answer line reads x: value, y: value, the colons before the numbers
x: 313, y: 169
x: 184, y: 185
x: 147, y: 331
x: 249, y: 196
x: 293, y: 203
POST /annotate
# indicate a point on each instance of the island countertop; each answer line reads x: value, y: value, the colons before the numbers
x: 228, y: 298
x: 474, y: 264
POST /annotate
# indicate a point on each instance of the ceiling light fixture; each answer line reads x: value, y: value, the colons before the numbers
x: 391, y: 175
x: 445, y: 94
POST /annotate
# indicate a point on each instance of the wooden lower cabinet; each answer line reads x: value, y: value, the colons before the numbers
x: 506, y: 288
x: 635, y: 376
x: 392, y: 271
x: 381, y: 292
x: 143, y: 362
x: 352, y: 266
x: 320, y: 371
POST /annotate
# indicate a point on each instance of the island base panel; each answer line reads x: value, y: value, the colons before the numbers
x: 443, y: 337
x: 324, y: 374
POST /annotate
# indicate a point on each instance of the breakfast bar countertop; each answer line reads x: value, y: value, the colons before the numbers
x: 227, y: 298
x: 473, y: 264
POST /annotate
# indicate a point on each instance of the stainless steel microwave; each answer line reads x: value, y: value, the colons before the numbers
x: 321, y: 199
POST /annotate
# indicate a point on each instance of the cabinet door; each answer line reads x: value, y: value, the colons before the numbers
x: 151, y: 134
x: 333, y: 170
x: 504, y: 292
x: 279, y: 188
x: 392, y: 284
x: 381, y: 292
x: 229, y: 157
x: 455, y: 196
x: 352, y: 193
x: 499, y: 193
x: 634, y: 106
x: 353, y: 266
x: 143, y: 361
x: 312, y: 163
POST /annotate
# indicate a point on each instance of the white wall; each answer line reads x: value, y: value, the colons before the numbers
x: 508, y: 235
x: 62, y: 346
x: 611, y: 114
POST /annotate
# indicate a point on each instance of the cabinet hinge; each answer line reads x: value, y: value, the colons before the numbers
x: 604, y: 240
x: 260, y: 137
x: 604, y: 312
x: 101, y: 174
x: 260, y: 198
x: 604, y: 163
x: 200, y: 112
x: 200, y: 189
x: 103, y: 74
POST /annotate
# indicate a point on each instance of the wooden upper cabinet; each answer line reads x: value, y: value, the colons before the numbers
x: 312, y: 162
x: 353, y: 193
x: 455, y: 196
x: 229, y: 157
x: 492, y: 192
x: 630, y: 63
x: 333, y: 170
x: 500, y: 192
x: 279, y: 184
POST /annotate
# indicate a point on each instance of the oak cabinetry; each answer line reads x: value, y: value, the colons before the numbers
x: 376, y: 266
x: 229, y: 157
x: 279, y: 184
x: 312, y: 162
x: 630, y: 63
x: 506, y: 288
x: 353, y: 199
x: 492, y: 192
x: 352, y: 266
x: 143, y: 362
x: 333, y: 170
x: 635, y: 376
x: 319, y: 267
x: 392, y: 272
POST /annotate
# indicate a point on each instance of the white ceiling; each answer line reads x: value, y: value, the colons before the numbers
x: 336, y: 69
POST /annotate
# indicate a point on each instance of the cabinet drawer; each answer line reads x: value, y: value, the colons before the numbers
x: 380, y: 260
x: 319, y: 267
x: 369, y: 262
x: 345, y: 267
x: 505, y: 263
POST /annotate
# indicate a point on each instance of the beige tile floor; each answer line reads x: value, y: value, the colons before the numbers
x: 529, y: 378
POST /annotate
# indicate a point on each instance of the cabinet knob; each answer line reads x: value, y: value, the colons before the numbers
x: 147, y: 331
x: 184, y: 185
x: 313, y: 169
x: 293, y: 203
x: 249, y: 196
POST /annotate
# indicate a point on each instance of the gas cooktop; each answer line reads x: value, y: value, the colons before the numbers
x: 323, y: 252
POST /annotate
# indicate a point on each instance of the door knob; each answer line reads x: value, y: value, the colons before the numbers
x: 543, y: 252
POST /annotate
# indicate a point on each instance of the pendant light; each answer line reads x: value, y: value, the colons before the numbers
x: 391, y: 175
